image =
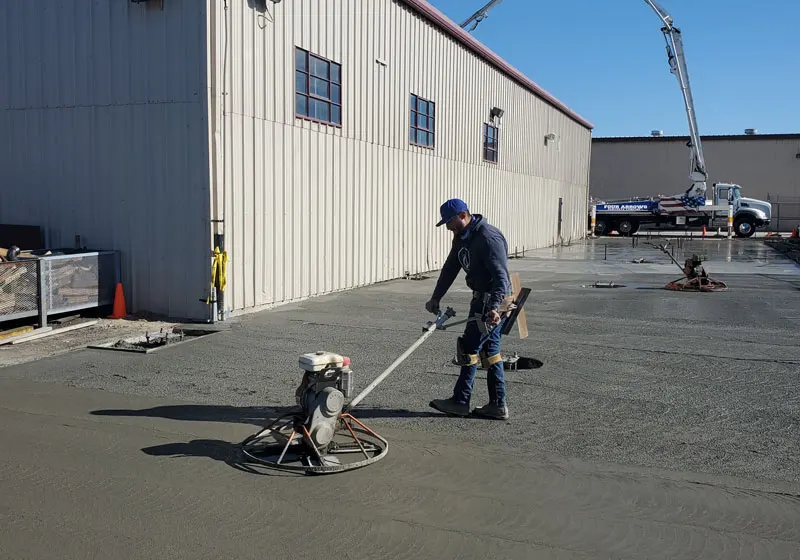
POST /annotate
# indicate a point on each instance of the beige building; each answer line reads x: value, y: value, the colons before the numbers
x: 315, y: 140
x: 767, y: 166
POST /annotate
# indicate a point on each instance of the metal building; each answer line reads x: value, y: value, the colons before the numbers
x: 767, y: 166
x: 315, y: 140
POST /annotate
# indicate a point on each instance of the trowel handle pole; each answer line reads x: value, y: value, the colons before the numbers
x: 363, y: 394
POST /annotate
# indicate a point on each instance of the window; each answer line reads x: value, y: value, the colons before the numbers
x: 490, y: 135
x: 318, y: 88
x: 423, y: 116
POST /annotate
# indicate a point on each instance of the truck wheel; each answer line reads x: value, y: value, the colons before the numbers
x: 744, y: 226
x: 601, y: 227
x: 627, y: 227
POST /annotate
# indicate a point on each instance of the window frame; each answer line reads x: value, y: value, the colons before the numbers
x: 309, y: 96
x: 414, y: 100
x: 486, y: 149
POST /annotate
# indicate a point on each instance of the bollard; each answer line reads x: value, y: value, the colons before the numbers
x: 730, y: 221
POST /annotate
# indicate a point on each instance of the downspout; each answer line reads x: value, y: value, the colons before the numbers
x: 585, y: 215
x: 217, y: 307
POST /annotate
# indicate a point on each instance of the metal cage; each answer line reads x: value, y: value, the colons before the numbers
x: 57, y: 283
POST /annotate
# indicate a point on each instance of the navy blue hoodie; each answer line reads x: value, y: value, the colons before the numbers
x: 481, y: 250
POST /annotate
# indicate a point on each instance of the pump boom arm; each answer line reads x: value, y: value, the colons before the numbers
x: 677, y: 64
x: 480, y: 15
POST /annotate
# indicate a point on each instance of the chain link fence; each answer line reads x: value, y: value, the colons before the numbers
x: 69, y: 282
x: 19, y: 289
x: 785, y: 212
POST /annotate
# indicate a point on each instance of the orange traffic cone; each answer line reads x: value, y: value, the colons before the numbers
x: 119, y: 304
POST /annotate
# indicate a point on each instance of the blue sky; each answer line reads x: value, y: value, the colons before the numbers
x: 606, y: 59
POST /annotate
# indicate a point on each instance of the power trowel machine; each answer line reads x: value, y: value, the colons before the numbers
x: 322, y: 436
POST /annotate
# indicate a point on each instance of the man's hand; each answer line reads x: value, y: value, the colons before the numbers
x: 493, y: 317
x: 432, y: 306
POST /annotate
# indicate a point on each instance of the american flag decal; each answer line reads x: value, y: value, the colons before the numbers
x: 684, y: 203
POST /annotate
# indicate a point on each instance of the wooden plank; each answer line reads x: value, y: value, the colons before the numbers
x: 16, y: 332
x: 515, y: 284
x: 11, y: 340
x: 56, y: 331
x: 520, y: 320
x: 522, y: 324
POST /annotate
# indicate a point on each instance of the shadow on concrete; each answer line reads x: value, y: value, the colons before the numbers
x: 227, y: 452
x: 222, y: 451
x: 256, y: 415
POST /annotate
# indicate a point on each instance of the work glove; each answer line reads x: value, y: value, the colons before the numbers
x: 493, y: 318
x: 432, y: 306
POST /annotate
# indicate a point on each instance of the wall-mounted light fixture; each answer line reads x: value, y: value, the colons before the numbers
x: 496, y: 112
x: 549, y: 138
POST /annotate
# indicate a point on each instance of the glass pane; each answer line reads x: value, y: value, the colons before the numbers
x: 422, y: 121
x: 422, y: 137
x: 336, y: 114
x: 320, y: 110
x: 412, y: 135
x: 413, y: 102
x: 430, y: 139
x: 301, y: 104
x: 300, y: 82
x: 336, y: 73
x: 319, y: 67
x: 300, y: 60
x: 431, y: 108
x: 319, y: 87
x: 422, y: 107
x: 336, y: 94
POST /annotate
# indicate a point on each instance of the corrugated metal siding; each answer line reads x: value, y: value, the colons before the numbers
x: 763, y: 167
x: 313, y: 209
x: 104, y: 135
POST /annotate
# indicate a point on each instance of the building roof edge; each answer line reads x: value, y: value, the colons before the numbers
x: 447, y: 25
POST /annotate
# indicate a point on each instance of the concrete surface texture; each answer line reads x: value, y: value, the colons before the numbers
x: 661, y: 425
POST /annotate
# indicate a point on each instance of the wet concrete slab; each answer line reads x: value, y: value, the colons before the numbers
x: 641, y: 390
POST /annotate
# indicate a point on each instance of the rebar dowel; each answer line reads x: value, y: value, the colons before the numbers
x: 433, y: 326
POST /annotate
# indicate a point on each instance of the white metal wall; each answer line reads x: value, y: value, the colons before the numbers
x: 312, y: 209
x: 763, y: 166
x: 103, y: 134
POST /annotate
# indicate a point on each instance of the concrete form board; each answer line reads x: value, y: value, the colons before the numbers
x: 311, y: 209
x: 104, y: 122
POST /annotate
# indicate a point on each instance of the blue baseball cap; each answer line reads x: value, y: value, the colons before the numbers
x: 451, y: 209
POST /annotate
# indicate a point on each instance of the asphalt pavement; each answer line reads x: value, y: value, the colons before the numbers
x: 660, y: 425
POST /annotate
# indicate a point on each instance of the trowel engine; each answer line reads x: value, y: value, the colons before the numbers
x: 327, y: 383
x: 320, y: 435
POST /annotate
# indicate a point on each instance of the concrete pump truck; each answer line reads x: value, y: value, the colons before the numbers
x: 690, y: 209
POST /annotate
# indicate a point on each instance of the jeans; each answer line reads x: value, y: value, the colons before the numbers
x: 494, y: 375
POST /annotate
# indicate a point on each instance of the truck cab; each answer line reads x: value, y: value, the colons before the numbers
x: 748, y: 213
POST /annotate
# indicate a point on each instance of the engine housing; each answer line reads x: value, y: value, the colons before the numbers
x: 327, y: 381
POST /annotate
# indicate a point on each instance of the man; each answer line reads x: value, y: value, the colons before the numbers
x: 481, y: 250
